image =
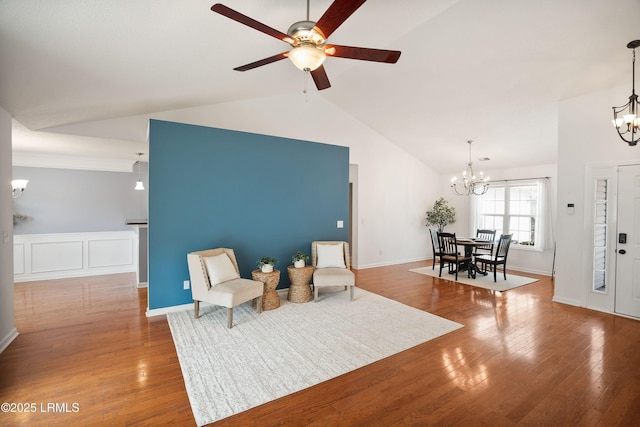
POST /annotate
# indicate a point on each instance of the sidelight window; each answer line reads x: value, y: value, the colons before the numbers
x: 600, y: 233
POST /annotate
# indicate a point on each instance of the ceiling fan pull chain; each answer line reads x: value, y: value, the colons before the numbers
x: 304, y: 89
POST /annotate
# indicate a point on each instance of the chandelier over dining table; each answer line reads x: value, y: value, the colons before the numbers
x: 470, y: 184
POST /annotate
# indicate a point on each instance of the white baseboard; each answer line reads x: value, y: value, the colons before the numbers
x: 388, y: 263
x: 568, y: 301
x: 528, y: 270
x: 8, y: 339
x: 172, y: 309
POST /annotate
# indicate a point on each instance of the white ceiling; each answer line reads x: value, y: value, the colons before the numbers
x: 82, y: 77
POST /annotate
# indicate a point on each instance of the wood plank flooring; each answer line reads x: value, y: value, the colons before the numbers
x: 87, y: 348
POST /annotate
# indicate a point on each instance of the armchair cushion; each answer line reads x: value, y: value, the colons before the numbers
x: 235, y: 291
x: 330, y: 256
x: 333, y: 277
x: 220, y: 269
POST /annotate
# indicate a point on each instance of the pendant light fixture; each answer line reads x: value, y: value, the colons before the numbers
x: 18, y: 186
x: 626, y: 118
x: 139, y: 185
x: 470, y: 184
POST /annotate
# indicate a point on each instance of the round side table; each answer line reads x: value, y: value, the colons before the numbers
x: 270, y: 298
x: 300, y: 291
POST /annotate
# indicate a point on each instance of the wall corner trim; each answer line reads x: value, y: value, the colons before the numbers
x: 171, y: 309
x: 8, y: 339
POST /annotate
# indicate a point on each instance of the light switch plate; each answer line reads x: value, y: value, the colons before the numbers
x: 340, y: 224
x: 186, y: 284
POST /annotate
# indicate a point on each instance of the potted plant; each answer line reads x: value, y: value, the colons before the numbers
x: 299, y: 259
x: 441, y: 215
x: 266, y: 264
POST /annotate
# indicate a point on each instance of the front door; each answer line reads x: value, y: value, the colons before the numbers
x: 627, y: 299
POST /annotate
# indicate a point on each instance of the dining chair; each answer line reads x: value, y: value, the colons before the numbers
x: 500, y: 257
x: 449, y: 253
x: 435, y: 244
x: 489, y: 235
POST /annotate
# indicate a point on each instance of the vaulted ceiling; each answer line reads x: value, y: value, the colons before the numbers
x: 83, y: 77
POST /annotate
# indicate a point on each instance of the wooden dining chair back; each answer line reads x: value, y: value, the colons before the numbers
x: 435, y: 244
x: 500, y: 257
x: 449, y: 254
x: 489, y: 235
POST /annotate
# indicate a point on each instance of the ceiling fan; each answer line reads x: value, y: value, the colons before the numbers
x: 309, y: 41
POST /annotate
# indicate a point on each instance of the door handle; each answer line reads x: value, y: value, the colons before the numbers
x: 622, y: 252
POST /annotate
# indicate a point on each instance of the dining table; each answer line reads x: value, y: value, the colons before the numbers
x: 469, y: 244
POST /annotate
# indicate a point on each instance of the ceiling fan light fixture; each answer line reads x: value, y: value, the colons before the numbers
x: 307, y: 57
x: 308, y: 40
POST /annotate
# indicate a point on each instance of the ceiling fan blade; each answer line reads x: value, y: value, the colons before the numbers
x: 320, y: 78
x: 337, y: 13
x: 262, y: 62
x: 250, y: 22
x: 363, y: 53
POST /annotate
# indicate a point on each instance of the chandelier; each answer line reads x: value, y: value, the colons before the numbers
x: 470, y: 183
x: 625, y: 118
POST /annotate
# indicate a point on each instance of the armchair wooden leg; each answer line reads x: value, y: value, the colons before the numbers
x: 196, y: 308
x: 315, y: 294
x: 352, y: 291
x: 229, y: 317
x: 259, y: 304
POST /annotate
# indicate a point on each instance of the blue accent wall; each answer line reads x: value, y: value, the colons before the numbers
x: 259, y: 195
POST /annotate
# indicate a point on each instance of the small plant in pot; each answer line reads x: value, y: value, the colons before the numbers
x: 299, y: 259
x: 266, y: 264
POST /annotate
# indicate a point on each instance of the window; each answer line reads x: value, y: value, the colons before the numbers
x: 600, y: 235
x: 513, y: 208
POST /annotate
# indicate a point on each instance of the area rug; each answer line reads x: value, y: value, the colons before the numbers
x: 480, y: 281
x: 278, y: 352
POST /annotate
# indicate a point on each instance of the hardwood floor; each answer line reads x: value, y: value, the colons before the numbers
x: 87, y: 348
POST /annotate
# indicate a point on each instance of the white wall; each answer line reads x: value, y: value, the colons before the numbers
x: 586, y: 138
x: 395, y: 190
x: 7, y: 329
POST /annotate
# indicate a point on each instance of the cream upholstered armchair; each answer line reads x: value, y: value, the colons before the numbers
x: 332, y: 266
x: 215, y: 279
